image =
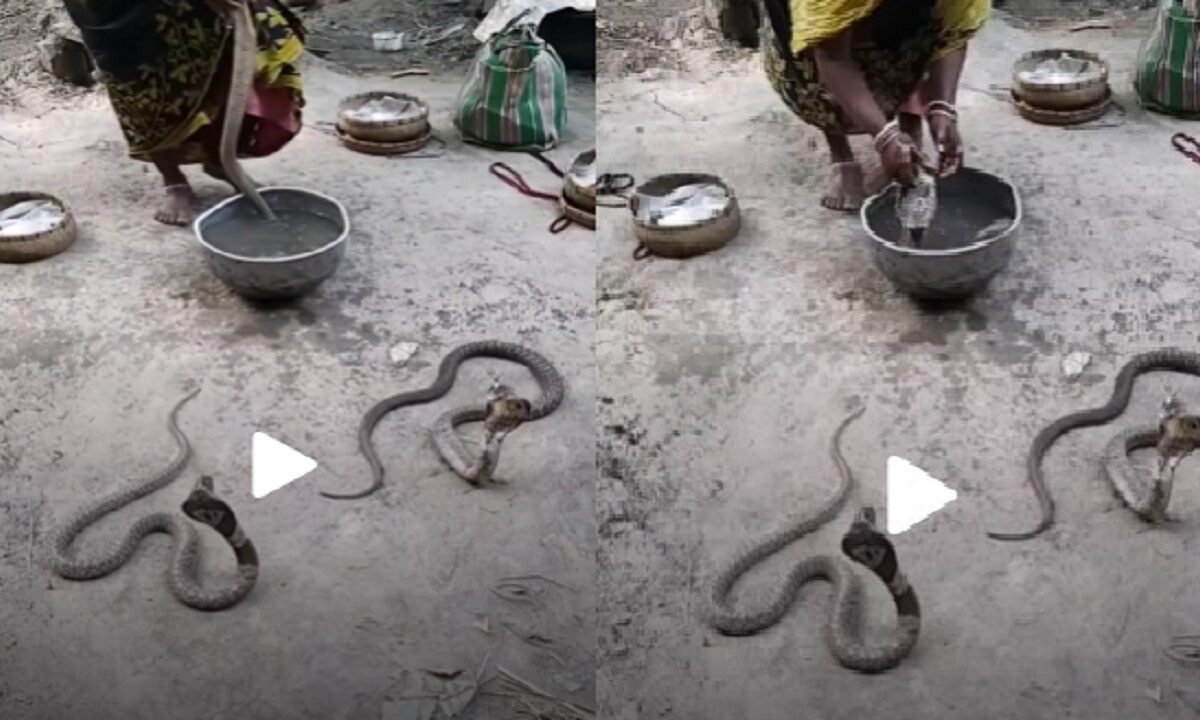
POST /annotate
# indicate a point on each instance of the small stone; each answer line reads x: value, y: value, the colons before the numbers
x: 1074, y: 364
x: 402, y: 352
x: 66, y: 59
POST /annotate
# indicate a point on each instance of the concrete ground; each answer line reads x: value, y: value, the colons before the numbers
x: 99, y: 342
x: 721, y: 379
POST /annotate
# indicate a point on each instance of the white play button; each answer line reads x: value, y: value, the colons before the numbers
x: 273, y: 465
x: 912, y: 495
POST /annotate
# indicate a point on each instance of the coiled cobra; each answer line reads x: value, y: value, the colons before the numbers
x: 183, y: 569
x: 449, y: 446
x: 1176, y: 437
x: 1169, y: 359
x: 863, y: 544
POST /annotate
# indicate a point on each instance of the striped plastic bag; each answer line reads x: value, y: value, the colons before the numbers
x: 1168, y: 64
x: 516, y: 95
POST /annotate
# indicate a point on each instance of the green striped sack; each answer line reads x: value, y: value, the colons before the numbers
x: 1168, y: 66
x: 516, y: 95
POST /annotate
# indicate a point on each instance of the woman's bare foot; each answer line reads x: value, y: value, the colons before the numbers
x: 846, y: 190
x: 177, y: 205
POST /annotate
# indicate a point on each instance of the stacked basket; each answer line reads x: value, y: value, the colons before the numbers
x: 1061, y: 87
x: 578, y: 200
x: 383, y: 123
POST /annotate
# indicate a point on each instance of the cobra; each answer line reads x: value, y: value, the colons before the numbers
x: 1176, y: 436
x: 1169, y: 359
x: 863, y: 544
x: 182, y: 572
x: 450, y: 447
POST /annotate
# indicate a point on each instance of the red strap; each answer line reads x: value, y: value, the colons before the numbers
x: 1187, y: 146
x: 513, y: 179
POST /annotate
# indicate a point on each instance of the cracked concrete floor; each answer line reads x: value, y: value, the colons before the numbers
x: 99, y: 342
x: 722, y: 378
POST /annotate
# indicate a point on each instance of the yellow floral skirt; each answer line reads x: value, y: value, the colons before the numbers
x: 165, y: 64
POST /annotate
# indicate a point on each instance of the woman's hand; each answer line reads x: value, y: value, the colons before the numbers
x: 948, y: 142
x: 898, y: 153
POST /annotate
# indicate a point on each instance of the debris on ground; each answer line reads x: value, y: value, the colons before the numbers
x: 571, y: 681
x: 402, y: 352
x: 429, y: 694
x: 536, y: 703
x: 515, y: 591
x: 388, y: 41
x: 432, y: 38
x: 61, y: 51
x: 1074, y: 364
x: 1155, y: 693
x: 534, y: 639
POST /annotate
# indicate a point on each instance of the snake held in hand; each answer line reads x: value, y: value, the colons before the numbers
x: 184, y: 568
x: 1169, y: 359
x: 245, y: 47
x: 452, y: 450
x: 863, y: 544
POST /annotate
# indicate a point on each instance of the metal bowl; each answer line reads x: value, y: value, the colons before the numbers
x: 969, y: 202
x: 1081, y: 82
x: 276, y: 278
x: 660, y: 229
x: 579, y: 184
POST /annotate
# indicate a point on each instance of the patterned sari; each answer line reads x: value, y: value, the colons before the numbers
x: 894, y: 44
x: 165, y: 64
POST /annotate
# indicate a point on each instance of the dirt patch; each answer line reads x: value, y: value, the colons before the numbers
x: 438, y: 37
x: 438, y: 33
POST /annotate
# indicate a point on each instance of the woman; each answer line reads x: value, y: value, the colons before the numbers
x: 877, y: 67
x: 166, y: 64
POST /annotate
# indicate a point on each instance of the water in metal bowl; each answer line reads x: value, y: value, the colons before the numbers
x: 971, y: 238
x: 276, y: 259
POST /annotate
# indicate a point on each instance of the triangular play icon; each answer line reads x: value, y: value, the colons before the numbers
x: 273, y: 465
x: 912, y: 495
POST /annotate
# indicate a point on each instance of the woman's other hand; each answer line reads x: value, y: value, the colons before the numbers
x: 943, y: 126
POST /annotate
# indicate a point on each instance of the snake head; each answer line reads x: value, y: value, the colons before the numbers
x: 1178, y: 435
x: 205, y: 507
x: 864, y: 544
x: 505, y: 414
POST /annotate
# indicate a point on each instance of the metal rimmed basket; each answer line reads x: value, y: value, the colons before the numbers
x: 1083, y: 89
x: 682, y: 241
x: 398, y: 130
x: 41, y: 245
